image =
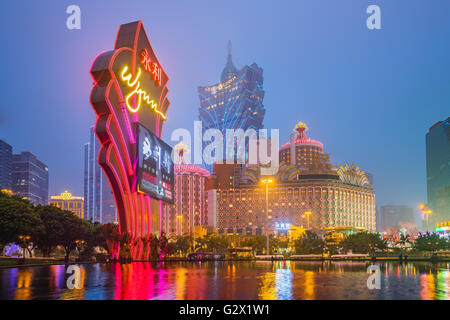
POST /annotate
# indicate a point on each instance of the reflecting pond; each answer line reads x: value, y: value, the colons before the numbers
x: 229, y: 280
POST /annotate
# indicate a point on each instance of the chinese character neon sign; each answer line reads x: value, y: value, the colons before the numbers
x: 150, y: 66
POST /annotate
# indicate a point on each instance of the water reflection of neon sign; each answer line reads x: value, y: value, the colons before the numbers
x: 138, y: 93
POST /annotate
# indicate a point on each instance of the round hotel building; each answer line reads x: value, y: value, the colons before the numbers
x: 308, y: 193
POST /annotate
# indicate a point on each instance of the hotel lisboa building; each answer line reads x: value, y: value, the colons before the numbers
x: 306, y: 192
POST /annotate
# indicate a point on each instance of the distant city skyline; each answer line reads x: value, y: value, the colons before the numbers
x: 99, y: 201
x: 370, y: 96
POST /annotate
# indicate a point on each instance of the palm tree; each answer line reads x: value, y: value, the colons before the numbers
x: 126, y: 243
x: 146, y: 243
x: 154, y: 247
x: 111, y: 236
x: 404, y: 240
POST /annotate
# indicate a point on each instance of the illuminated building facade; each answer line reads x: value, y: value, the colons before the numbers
x: 331, y: 202
x: 443, y: 203
x: 5, y: 165
x: 99, y: 201
x: 438, y: 169
x: 190, y: 208
x: 30, y: 178
x: 311, y: 194
x: 300, y: 150
x: 66, y: 201
x: 236, y: 102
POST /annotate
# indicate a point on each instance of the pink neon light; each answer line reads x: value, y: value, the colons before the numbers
x: 126, y: 203
x: 304, y: 141
x: 190, y: 168
x: 121, y: 172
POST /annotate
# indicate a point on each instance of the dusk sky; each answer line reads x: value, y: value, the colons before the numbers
x: 369, y: 95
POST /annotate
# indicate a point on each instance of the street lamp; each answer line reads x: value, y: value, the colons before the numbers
x: 308, y: 214
x: 426, y: 212
x: 267, y: 181
x: 179, y: 219
x: 25, y: 241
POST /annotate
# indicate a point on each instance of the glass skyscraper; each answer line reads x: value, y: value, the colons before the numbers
x: 5, y: 165
x: 30, y: 178
x: 393, y: 216
x: 99, y: 205
x: 438, y: 170
x: 236, y: 102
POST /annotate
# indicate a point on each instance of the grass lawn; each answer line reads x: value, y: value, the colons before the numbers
x: 10, y: 262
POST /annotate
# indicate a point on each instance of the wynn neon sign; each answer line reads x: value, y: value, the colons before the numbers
x: 130, y: 91
x: 138, y: 93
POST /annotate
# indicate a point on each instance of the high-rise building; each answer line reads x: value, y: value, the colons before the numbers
x: 30, y: 178
x: 438, y: 168
x: 5, y: 165
x: 99, y: 203
x: 190, y: 208
x: 66, y: 201
x: 393, y: 217
x: 443, y: 203
x: 236, y: 102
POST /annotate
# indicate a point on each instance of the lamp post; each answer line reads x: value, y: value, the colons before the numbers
x: 25, y: 240
x: 267, y: 181
x: 308, y: 214
x: 426, y: 212
x: 179, y: 220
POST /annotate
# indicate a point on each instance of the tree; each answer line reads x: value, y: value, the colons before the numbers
x: 257, y: 243
x: 146, y: 245
x: 52, y: 228
x: 216, y: 243
x: 165, y: 247
x: 183, y: 244
x: 73, y: 229
x: 110, y: 239
x: 430, y: 242
x: 126, y: 243
x: 154, y: 246
x: 404, y: 240
x: 363, y: 242
x: 17, y: 219
x: 92, y: 238
x: 310, y: 243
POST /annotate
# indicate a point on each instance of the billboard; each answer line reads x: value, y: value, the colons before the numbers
x: 155, y: 166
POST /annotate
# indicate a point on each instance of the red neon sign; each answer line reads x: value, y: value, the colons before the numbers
x: 151, y: 66
x: 138, y: 214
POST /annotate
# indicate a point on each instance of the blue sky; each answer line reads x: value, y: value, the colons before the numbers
x: 369, y: 96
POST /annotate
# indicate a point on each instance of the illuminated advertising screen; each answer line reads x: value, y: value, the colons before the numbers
x: 155, y: 166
